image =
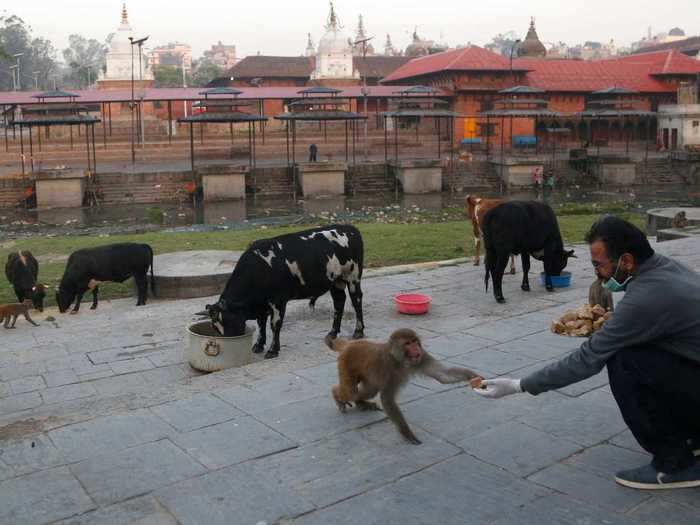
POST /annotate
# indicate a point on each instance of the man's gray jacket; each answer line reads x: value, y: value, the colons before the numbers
x: 660, y: 310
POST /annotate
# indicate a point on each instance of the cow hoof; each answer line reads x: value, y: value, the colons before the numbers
x: 476, y: 263
x: 332, y: 335
x: 550, y: 288
x: 271, y: 355
x: 525, y: 287
x: 512, y: 271
x: 358, y: 334
x: 73, y: 312
x: 500, y: 300
x: 93, y: 307
x: 258, y: 349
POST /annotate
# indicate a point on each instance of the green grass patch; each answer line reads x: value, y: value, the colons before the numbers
x: 385, y: 245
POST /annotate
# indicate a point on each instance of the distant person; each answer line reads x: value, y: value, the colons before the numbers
x: 313, y: 152
x: 651, y: 348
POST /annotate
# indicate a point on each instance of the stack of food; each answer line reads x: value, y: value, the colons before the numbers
x: 581, y: 322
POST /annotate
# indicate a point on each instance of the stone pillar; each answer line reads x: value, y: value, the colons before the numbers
x: 418, y: 176
x: 322, y: 179
x: 222, y: 182
x: 60, y: 189
x: 517, y: 173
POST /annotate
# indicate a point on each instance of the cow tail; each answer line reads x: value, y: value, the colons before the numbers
x: 153, y: 280
x: 337, y: 344
x: 488, y: 250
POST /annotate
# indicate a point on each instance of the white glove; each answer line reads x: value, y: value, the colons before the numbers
x: 500, y: 387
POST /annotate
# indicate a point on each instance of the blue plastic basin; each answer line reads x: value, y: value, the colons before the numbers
x: 558, y: 281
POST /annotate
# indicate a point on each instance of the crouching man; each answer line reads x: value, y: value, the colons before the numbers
x: 651, y: 347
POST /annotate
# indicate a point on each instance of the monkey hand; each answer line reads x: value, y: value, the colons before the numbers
x: 500, y: 387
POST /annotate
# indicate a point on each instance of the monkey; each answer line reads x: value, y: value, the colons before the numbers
x: 367, y: 368
x: 679, y: 220
x: 599, y: 295
x: 12, y: 311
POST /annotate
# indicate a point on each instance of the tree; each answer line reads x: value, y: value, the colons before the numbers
x: 36, y: 56
x: 85, y: 58
x: 204, y: 72
x: 502, y: 43
x: 168, y: 76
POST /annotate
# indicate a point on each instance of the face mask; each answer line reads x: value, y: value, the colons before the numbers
x: 613, y: 285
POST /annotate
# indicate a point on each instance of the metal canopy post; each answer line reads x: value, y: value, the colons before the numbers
x: 170, y: 121
x: 87, y: 147
x: 286, y: 133
x: 21, y: 147
x: 104, y: 125
x: 346, y: 141
x: 191, y: 148
x: 94, y: 152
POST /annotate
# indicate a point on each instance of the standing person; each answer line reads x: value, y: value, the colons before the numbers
x: 651, y: 347
x: 313, y: 151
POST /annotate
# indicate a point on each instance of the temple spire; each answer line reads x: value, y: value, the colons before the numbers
x: 333, y: 22
x: 125, y: 16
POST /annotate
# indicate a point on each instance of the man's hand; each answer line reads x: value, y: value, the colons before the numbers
x: 500, y: 387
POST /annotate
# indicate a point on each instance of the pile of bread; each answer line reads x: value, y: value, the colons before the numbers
x: 581, y: 322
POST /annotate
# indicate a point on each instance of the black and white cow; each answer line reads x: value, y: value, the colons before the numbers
x: 525, y: 228
x: 302, y: 265
x: 88, y: 267
x: 22, y: 270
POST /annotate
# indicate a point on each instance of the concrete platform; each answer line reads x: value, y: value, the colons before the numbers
x: 661, y: 218
x: 183, y: 275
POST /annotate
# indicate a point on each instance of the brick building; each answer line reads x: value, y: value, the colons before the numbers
x: 474, y: 76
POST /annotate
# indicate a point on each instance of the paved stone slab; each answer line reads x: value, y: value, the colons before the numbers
x: 446, y: 346
x: 27, y: 384
x: 657, y: 510
x: 36, y: 452
x: 558, y: 509
x: 580, y: 420
x: 238, y: 494
x: 5, y: 389
x: 518, y: 448
x: 491, y: 362
x: 42, y: 497
x: 313, y: 419
x: 16, y: 403
x: 61, y: 377
x: 584, y: 486
x: 352, y: 463
x: 138, y: 511
x: 107, y: 434
x: 458, y: 490
x: 606, y: 460
x: 145, y: 468
x: 231, y: 442
x: 59, y: 394
x: 269, y: 393
x: 196, y: 412
x: 133, y: 365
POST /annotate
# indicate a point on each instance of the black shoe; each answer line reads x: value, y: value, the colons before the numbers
x: 648, y: 478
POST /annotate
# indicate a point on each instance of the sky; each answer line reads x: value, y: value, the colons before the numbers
x: 279, y: 27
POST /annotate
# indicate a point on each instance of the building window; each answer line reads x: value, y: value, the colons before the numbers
x: 696, y: 123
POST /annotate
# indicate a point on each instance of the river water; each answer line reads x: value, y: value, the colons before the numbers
x: 252, y: 212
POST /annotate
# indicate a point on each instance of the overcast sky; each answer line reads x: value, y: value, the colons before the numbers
x: 279, y: 27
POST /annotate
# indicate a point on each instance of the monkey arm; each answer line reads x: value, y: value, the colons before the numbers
x: 443, y: 374
x: 392, y: 410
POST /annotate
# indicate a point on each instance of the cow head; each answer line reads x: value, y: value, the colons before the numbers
x: 64, y: 298
x: 226, y: 322
x: 560, y: 261
x: 37, y: 296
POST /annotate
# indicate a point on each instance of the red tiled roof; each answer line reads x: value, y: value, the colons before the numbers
x: 636, y: 72
x: 472, y: 58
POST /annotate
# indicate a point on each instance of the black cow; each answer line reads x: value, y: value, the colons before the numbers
x: 86, y: 268
x: 302, y: 265
x: 525, y: 228
x: 22, y: 270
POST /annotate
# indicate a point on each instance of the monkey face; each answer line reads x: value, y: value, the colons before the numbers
x: 407, y: 347
x: 413, y: 350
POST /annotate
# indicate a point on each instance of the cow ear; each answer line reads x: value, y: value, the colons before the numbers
x: 570, y: 254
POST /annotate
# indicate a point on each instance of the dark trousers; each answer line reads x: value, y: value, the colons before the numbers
x: 659, y: 396
x: 312, y: 156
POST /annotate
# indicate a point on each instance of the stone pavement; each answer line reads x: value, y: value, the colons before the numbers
x: 102, y: 422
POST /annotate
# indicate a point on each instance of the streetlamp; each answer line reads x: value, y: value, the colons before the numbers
x: 512, y: 49
x: 364, y: 41
x: 139, y: 42
x: 19, y: 84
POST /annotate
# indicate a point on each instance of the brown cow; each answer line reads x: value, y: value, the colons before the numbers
x: 476, y: 208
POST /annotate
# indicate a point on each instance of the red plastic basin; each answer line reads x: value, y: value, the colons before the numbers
x: 412, y: 303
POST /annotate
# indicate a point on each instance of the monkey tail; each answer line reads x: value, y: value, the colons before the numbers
x: 336, y: 344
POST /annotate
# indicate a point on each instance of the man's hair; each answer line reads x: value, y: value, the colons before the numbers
x: 619, y: 237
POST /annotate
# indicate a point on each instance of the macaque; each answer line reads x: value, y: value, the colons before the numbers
x: 367, y: 368
x: 12, y: 311
x: 679, y: 220
x: 599, y: 295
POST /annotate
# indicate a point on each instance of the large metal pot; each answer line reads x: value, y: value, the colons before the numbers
x: 208, y: 351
